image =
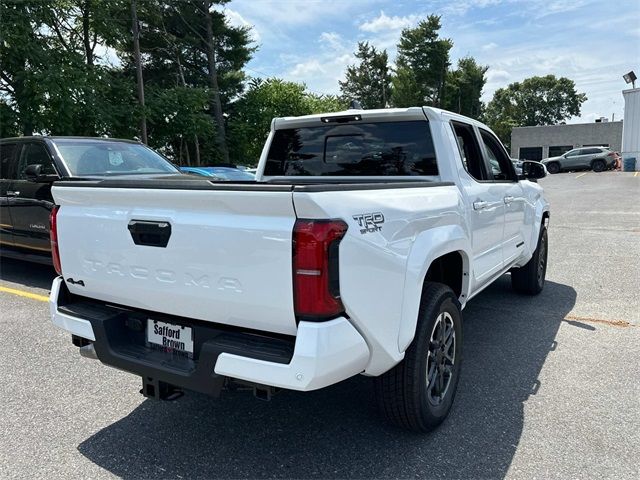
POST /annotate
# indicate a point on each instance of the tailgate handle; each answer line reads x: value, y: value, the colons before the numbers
x: 150, y: 233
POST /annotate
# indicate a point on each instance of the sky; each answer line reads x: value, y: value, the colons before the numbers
x: 592, y: 42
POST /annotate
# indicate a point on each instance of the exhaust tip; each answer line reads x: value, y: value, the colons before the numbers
x: 88, y: 351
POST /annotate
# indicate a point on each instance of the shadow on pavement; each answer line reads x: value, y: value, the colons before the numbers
x: 25, y: 273
x: 336, y: 432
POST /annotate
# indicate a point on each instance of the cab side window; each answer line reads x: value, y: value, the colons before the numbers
x: 7, y: 154
x: 469, y: 150
x: 35, y: 154
x: 498, y: 161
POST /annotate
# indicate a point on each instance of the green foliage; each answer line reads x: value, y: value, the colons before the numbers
x: 534, y: 101
x: 264, y: 100
x: 422, y: 63
x: 405, y: 88
x: 370, y: 80
x: 464, y: 88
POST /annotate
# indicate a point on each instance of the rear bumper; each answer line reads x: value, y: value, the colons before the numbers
x: 321, y: 354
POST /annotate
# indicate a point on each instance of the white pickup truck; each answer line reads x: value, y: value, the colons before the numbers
x: 363, y: 237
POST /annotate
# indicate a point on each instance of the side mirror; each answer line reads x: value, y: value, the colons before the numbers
x: 533, y: 170
x: 33, y: 172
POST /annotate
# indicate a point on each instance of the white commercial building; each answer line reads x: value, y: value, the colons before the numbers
x: 631, y: 125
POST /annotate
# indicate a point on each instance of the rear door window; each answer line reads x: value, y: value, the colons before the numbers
x: 363, y: 149
x: 469, y: 150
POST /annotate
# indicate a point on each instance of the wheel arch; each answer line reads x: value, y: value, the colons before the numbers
x: 441, y: 255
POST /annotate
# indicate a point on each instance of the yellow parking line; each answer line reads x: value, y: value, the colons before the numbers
x: 582, y: 174
x: 22, y: 293
x: 636, y: 174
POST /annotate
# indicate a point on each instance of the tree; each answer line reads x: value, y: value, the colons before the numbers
x: 370, y: 80
x: 176, y: 53
x: 48, y: 80
x: 264, y: 100
x: 534, y: 101
x: 422, y: 64
x: 135, y: 33
x: 464, y: 88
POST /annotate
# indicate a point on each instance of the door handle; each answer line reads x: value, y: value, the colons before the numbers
x: 508, y: 199
x: 12, y: 194
x: 480, y: 205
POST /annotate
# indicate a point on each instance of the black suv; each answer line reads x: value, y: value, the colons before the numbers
x: 29, y: 166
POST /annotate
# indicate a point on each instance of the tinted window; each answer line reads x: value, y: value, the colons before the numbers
x: 7, y: 154
x: 469, y: 150
x: 95, y: 157
x: 390, y: 148
x: 499, y: 162
x: 591, y: 151
x: 35, y: 154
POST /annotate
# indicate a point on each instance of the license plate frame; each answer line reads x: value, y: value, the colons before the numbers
x: 170, y: 337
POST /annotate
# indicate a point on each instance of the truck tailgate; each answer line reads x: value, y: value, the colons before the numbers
x: 227, y: 259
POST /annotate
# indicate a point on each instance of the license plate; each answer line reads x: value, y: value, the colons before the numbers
x: 169, y: 336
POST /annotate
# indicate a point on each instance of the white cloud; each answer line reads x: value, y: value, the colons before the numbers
x: 497, y: 76
x: 279, y: 13
x: 302, y: 70
x: 332, y: 40
x: 384, y: 23
x: 489, y: 46
x: 322, y: 71
x: 237, y: 20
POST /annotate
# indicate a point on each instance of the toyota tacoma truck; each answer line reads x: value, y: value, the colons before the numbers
x: 354, y: 251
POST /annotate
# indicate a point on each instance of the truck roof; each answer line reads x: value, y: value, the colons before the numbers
x: 379, y: 114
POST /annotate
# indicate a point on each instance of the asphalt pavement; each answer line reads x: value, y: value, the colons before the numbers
x: 550, y: 385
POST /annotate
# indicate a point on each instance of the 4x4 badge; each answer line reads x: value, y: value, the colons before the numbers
x: 75, y: 282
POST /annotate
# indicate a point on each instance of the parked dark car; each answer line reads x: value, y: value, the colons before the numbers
x: 28, y: 167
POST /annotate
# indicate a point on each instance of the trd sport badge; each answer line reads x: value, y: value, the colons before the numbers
x: 369, y: 222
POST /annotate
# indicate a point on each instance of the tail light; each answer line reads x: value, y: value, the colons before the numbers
x: 53, y: 234
x: 316, y: 286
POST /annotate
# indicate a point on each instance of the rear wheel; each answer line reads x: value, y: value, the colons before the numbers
x: 553, y: 167
x: 598, y: 166
x: 529, y: 279
x: 417, y: 394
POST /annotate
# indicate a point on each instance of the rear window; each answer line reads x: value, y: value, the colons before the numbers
x: 366, y: 149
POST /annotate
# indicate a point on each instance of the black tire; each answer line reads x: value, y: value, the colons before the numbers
x: 529, y: 279
x: 553, y: 167
x: 598, y: 165
x: 403, y: 395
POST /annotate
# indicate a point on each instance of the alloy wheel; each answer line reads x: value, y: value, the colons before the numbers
x: 441, y: 358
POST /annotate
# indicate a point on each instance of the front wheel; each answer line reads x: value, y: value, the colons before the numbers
x: 529, y: 279
x: 417, y: 394
x: 553, y: 167
x: 598, y: 166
